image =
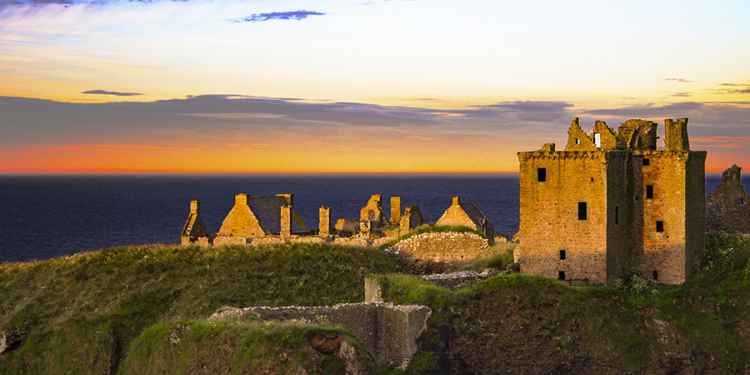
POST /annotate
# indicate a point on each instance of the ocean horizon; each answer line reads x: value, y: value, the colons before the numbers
x: 46, y: 216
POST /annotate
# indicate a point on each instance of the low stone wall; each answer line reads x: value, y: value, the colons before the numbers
x: 389, y: 332
x: 355, y: 241
x: 445, y: 247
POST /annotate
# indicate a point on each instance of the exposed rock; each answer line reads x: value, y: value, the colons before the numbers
x: 326, y: 343
x: 728, y: 207
x: 458, y: 279
x: 9, y: 341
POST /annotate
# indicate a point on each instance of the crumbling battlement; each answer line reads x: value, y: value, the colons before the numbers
x: 612, y: 203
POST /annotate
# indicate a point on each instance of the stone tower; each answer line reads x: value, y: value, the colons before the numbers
x: 611, y: 203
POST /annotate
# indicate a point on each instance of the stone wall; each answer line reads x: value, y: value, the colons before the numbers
x: 239, y: 224
x: 549, y: 221
x: 728, y: 207
x: 324, y: 223
x: 445, y: 247
x: 389, y: 332
x: 677, y: 182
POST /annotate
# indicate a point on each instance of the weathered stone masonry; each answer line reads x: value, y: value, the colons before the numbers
x: 612, y: 203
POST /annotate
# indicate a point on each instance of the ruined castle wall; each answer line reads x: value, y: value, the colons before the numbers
x: 619, y: 209
x: 456, y: 216
x: 240, y: 222
x: 696, y: 208
x: 549, y: 215
x: 446, y: 247
x: 664, y: 252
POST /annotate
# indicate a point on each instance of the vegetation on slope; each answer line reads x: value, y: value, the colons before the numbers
x: 79, y: 314
x: 233, y: 347
x: 516, y: 323
x: 117, y: 311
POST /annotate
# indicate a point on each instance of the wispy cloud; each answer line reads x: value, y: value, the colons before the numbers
x: 679, y: 80
x: 296, y: 15
x: 682, y: 94
x: 111, y: 93
x: 734, y: 88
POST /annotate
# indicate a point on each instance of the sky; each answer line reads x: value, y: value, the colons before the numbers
x: 368, y: 86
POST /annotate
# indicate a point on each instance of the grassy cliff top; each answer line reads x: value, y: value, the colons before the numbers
x: 79, y: 314
x: 117, y: 311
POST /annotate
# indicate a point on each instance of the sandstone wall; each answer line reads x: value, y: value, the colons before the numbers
x: 549, y: 220
x: 678, y: 202
x: 445, y: 247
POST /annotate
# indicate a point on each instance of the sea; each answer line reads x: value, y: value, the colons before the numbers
x: 43, y: 217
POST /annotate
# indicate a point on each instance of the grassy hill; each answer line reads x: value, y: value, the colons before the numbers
x: 79, y: 314
x: 118, y: 311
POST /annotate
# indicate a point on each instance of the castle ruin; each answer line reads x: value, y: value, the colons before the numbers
x: 269, y: 220
x: 612, y: 203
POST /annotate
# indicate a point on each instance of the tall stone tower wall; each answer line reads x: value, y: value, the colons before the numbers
x: 673, y: 198
x: 553, y: 238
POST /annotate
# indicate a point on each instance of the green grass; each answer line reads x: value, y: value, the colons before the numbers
x: 79, y: 314
x: 232, y: 347
x: 122, y: 310
x: 521, y: 323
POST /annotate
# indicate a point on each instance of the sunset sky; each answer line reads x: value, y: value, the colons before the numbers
x: 237, y: 86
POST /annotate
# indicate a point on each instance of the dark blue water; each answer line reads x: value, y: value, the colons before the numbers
x: 44, y: 217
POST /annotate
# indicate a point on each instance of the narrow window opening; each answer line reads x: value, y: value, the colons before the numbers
x: 646, y: 162
x: 541, y: 174
x: 582, y: 211
x: 598, y: 140
x: 563, y: 255
x: 561, y: 275
x: 660, y: 226
x: 649, y: 191
x: 655, y: 275
x: 617, y: 214
x: 578, y: 141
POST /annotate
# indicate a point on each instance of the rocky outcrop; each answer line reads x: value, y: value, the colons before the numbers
x: 728, y: 207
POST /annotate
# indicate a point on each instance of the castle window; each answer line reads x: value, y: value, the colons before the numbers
x: 649, y: 191
x: 617, y: 214
x: 660, y: 226
x: 578, y: 141
x: 655, y: 275
x: 561, y: 275
x: 598, y: 140
x: 563, y: 255
x: 582, y: 211
x: 646, y: 162
x: 541, y: 174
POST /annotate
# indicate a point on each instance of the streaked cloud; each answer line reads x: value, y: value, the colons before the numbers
x: 679, y: 80
x: 111, y: 93
x: 294, y: 15
x: 734, y: 88
x: 682, y: 94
